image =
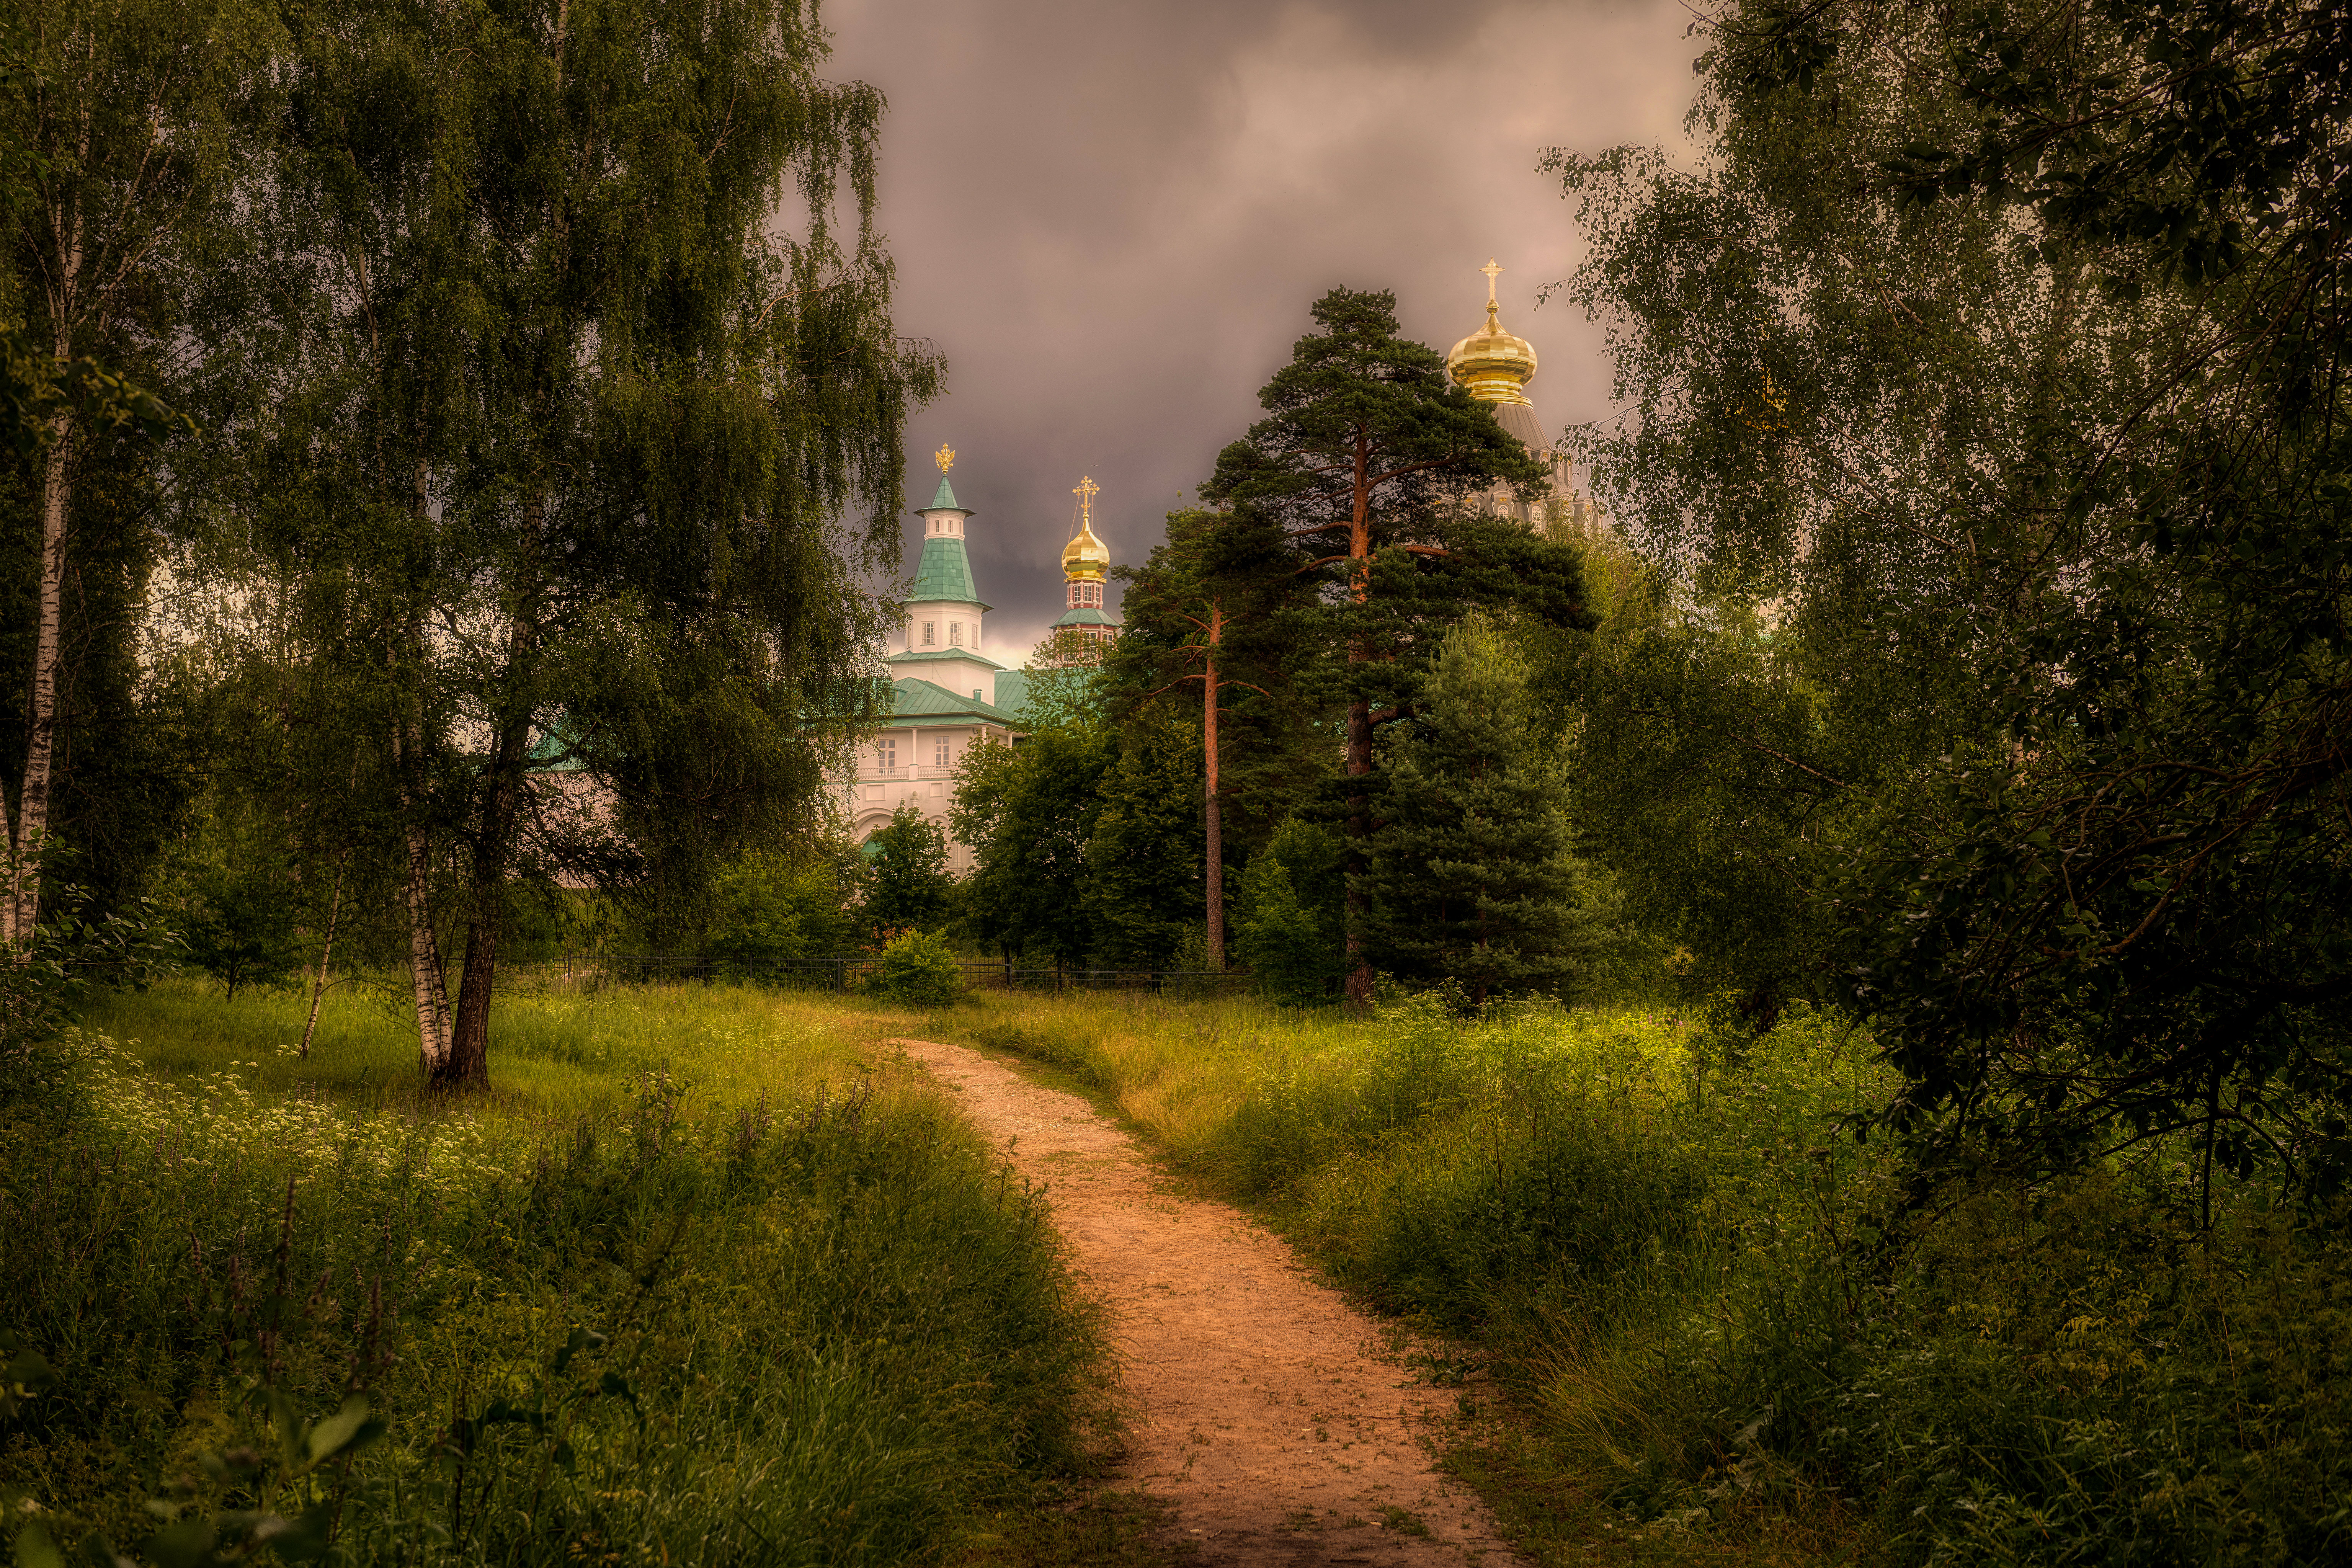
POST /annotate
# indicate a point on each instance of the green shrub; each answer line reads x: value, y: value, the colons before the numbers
x: 769, y: 908
x: 918, y: 968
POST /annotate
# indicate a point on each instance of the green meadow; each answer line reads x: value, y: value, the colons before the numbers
x: 706, y: 1277
x: 711, y: 1275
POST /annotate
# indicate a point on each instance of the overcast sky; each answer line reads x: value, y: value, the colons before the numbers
x: 1111, y: 218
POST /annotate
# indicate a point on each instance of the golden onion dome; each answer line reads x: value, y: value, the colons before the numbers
x: 1491, y: 364
x: 1086, y: 557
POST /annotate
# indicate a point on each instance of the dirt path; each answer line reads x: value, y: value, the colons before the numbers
x: 1265, y: 1414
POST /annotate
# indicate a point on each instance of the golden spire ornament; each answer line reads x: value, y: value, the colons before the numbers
x: 1493, y: 308
x: 944, y: 457
x: 1085, y: 558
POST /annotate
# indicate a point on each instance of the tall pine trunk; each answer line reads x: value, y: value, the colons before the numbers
x: 1214, y: 867
x: 1359, y: 832
x: 1360, y: 742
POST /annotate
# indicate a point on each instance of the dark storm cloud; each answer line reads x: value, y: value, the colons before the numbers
x: 1112, y: 219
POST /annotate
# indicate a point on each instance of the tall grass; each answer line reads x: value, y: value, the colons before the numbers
x: 709, y: 1279
x: 1708, y: 1307
x: 558, y: 1047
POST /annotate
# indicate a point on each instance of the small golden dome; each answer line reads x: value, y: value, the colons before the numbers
x: 1085, y: 558
x: 1491, y: 364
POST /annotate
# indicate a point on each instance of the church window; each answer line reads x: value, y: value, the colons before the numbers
x: 955, y: 633
x: 939, y: 753
x: 930, y: 632
x: 886, y: 755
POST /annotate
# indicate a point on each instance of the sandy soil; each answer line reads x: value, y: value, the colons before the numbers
x: 1265, y: 1412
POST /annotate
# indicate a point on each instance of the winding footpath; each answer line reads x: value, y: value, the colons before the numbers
x: 1263, y: 1412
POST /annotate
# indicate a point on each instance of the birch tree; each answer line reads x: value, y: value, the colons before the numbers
x: 120, y: 117
x: 600, y: 415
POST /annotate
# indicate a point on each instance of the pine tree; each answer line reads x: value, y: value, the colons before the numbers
x: 1365, y: 464
x: 1206, y: 618
x: 1472, y: 878
x: 1292, y: 913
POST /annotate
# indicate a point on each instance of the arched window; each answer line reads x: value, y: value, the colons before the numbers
x: 955, y: 633
x: 930, y: 632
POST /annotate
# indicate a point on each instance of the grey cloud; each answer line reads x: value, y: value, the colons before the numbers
x: 1111, y: 219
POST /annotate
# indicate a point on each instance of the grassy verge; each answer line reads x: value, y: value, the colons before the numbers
x: 1710, y: 1334
x: 707, y: 1280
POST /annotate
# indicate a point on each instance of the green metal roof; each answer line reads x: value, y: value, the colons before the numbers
x: 944, y: 573
x: 945, y: 499
x: 920, y: 655
x: 1085, y: 618
x: 1012, y: 691
x: 552, y: 752
x: 913, y: 702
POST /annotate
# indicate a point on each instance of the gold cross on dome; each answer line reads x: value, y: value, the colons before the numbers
x: 1086, y: 489
x: 944, y: 457
x: 1492, y: 272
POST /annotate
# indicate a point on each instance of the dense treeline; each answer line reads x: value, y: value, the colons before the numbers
x: 1343, y: 653
x: 1998, y: 357
x: 1968, y: 650
x: 538, y: 415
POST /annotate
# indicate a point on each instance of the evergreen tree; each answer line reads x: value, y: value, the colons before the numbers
x: 908, y: 884
x: 1364, y: 465
x: 1205, y: 618
x: 1293, y: 912
x: 1144, y: 884
x: 1471, y: 878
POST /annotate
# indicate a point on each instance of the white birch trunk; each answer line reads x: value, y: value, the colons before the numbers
x: 326, y: 952
x: 28, y: 831
x: 427, y: 977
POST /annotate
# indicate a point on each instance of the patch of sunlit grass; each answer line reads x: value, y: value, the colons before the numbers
x: 555, y: 1049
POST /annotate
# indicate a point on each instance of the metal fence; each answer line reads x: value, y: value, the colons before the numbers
x: 847, y: 972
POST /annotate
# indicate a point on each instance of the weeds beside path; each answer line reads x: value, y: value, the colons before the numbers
x: 703, y: 1281
x: 1265, y: 1413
